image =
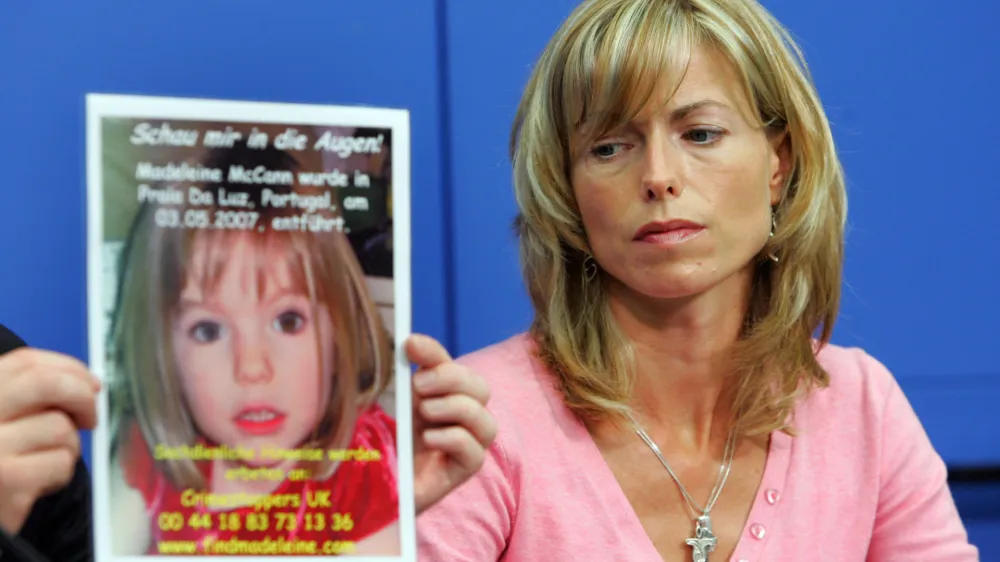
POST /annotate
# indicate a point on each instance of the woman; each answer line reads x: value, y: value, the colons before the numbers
x: 681, y: 221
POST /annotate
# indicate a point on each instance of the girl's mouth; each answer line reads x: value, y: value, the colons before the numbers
x: 259, y: 420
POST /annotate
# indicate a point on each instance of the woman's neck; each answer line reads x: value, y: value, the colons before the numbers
x: 682, y: 352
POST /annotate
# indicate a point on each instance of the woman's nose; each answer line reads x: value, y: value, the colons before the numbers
x: 661, y: 163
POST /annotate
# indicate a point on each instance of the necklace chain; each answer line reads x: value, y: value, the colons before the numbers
x: 724, y: 469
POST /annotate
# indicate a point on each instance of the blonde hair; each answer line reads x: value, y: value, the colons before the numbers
x: 598, y: 71
x: 145, y: 390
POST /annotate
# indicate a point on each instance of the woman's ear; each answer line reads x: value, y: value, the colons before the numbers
x: 780, y: 156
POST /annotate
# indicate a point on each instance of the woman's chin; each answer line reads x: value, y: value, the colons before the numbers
x: 670, y: 292
x: 681, y: 280
x: 667, y: 287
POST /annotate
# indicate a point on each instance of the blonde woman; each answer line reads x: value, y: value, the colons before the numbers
x: 682, y: 213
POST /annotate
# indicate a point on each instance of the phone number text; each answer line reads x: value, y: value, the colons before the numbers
x: 256, y: 522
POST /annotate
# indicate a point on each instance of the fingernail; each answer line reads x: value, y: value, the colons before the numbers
x: 424, y: 379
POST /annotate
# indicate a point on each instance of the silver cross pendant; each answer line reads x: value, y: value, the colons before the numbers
x: 703, y: 541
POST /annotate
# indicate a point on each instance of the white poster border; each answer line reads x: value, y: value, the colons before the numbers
x: 100, y: 106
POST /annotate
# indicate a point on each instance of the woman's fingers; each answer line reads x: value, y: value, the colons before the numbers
x: 451, y: 378
x: 462, y: 411
x: 467, y: 454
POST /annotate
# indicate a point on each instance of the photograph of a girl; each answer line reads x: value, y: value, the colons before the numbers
x: 245, y: 367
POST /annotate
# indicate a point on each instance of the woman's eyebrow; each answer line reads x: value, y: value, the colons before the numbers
x: 683, y: 111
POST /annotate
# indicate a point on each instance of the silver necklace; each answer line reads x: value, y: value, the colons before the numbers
x: 703, y: 540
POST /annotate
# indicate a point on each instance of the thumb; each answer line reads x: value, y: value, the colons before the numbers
x: 425, y: 351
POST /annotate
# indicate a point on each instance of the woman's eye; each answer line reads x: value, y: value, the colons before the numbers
x: 607, y: 150
x: 289, y: 322
x: 703, y: 136
x: 205, y: 331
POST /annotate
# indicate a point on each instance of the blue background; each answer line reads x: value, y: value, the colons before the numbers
x: 909, y: 87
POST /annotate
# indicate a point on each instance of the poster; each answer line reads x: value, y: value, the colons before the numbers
x: 248, y: 296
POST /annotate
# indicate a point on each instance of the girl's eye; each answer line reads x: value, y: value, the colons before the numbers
x: 205, y: 331
x: 289, y: 322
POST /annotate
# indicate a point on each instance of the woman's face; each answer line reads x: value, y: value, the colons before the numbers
x: 255, y: 358
x: 679, y: 201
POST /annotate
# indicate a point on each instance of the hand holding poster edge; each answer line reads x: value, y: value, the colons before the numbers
x: 452, y: 427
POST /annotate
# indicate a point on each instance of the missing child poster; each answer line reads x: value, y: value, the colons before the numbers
x: 249, y: 295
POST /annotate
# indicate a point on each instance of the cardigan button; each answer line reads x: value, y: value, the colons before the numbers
x: 772, y: 496
x: 757, y: 531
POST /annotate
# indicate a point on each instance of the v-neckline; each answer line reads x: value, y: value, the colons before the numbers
x: 754, y: 534
x: 760, y: 520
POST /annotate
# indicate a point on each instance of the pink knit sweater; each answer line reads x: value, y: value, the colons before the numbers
x: 861, y: 481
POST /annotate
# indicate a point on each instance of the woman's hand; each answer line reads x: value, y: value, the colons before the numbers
x: 451, y: 426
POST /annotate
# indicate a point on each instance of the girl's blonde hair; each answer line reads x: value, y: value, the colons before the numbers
x: 598, y: 71
x: 155, y: 268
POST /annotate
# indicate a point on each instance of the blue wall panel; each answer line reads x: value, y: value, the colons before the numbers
x: 910, y: 96
x: 908, y: 92
x: 488, y: 68
x: 380, y: 53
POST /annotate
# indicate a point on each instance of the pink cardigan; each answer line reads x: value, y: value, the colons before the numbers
x: 860, y: 482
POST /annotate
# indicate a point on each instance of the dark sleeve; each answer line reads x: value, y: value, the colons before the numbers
x: 59, y: 526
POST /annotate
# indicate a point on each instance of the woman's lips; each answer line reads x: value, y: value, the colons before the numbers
x: 668, y: 233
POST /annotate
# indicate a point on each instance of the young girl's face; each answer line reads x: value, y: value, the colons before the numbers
x: 247, y: 345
